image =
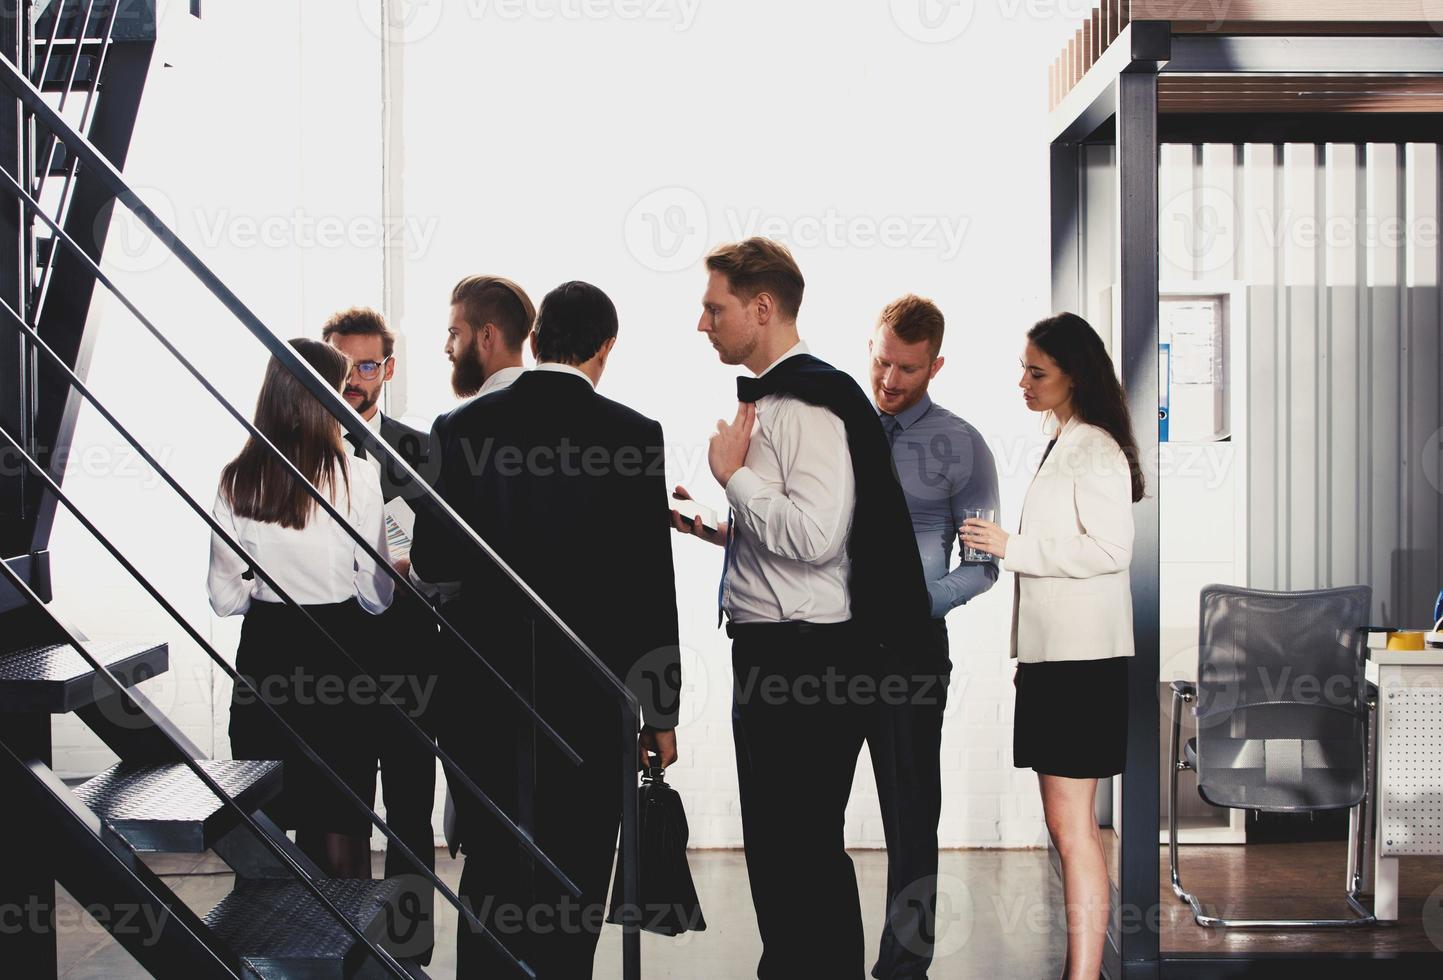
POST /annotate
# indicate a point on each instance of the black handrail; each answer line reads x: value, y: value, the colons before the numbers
x: 318, y: 387
x: 320, y: 498
x: 450, y: 764
x: 38, y: 344
x: 80, y: 148
x: 239, y: 678
x: 119, y: 690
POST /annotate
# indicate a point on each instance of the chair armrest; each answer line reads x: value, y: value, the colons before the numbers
x: 1186, y: 690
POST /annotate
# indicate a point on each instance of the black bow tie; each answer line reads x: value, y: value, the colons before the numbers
x: 751, y: 389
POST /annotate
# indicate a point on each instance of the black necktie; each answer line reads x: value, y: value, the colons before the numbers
x: 357, y: 450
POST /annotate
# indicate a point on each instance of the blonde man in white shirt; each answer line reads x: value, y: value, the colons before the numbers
x: 822, y: 584
x: 318, y: 565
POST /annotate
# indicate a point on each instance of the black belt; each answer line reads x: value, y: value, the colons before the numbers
x: 789, y: 628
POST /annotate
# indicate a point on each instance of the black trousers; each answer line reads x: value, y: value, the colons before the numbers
x: 905, y: 739
x: 576, y: 811
x: 799, y: 713
x: 407, y: 668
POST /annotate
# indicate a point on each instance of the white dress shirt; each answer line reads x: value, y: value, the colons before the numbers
x: 1072, y: 598
x: 501, y: 379
x: 792, y: 506
x: 559, y: 368
x: 315, y: 565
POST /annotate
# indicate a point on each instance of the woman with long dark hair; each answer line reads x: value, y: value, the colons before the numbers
x: 313, y: 559
x: 1072, y: 607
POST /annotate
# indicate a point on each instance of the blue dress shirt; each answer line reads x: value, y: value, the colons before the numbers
x: 945, y: 467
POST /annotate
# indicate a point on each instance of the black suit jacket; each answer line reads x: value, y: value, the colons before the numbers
x: 569, y: 488
x: 411, y: 445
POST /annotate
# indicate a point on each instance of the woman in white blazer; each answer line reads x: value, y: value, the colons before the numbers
x: 1072, y: 607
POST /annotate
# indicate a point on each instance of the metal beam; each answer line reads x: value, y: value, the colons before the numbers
x: 1141, y: 47
x: 1230, y: 54
x: 1315, y: 966
x: 14, y: 374
x: 1137, y: 227
x: 1302, y: 127
x: 1066, y: 226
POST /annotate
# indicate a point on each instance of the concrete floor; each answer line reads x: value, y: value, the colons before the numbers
x: 998, y: 916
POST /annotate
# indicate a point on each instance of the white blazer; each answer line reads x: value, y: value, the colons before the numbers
x: 1072, y: 599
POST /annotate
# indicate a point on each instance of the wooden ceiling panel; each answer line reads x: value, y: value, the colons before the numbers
x: 1308, y: 93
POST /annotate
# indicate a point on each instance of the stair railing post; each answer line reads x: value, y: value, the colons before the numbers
x: 15, y: 376
x: 630, y: 856
x: 28, y: 942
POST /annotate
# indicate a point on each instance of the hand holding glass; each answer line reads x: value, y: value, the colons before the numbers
x: 987, y: 514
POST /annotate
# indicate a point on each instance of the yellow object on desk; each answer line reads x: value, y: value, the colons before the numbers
x: 1405, y: 640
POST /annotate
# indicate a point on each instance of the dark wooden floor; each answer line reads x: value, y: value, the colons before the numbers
x: 1294, y: 881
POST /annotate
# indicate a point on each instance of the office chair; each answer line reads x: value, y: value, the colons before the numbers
x: 1282, y: 719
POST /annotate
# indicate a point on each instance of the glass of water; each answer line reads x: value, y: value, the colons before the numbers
x: 980, y: 513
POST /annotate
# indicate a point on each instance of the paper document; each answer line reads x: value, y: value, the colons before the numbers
x: 400, y: 525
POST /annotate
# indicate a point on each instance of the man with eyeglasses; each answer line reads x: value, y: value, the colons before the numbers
x: 362, y: 335
x: 408, y: 770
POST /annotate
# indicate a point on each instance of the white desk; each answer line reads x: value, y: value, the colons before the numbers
x: 1408, y: 776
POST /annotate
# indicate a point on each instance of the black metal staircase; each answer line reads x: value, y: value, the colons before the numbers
x: 72, y: 73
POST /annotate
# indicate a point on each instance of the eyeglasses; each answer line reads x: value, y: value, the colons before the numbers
x: 370, y: 370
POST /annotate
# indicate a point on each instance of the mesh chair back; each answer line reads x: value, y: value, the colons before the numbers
x: 1281, y: 702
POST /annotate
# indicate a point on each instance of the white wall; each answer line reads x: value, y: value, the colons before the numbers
x: 615, y: 141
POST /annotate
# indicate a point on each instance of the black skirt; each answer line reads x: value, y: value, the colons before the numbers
x: 1071, y: 718
x: 313, y: 688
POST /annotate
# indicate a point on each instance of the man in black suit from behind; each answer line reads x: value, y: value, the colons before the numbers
x: 408, y: 769
x: 569, y: 488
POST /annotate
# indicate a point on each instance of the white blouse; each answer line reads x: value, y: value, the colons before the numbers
x: 316, y: 565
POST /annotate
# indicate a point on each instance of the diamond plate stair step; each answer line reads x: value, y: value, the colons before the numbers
x: 280, y: 931
x: 55, y: 678
x: 167, y: 808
